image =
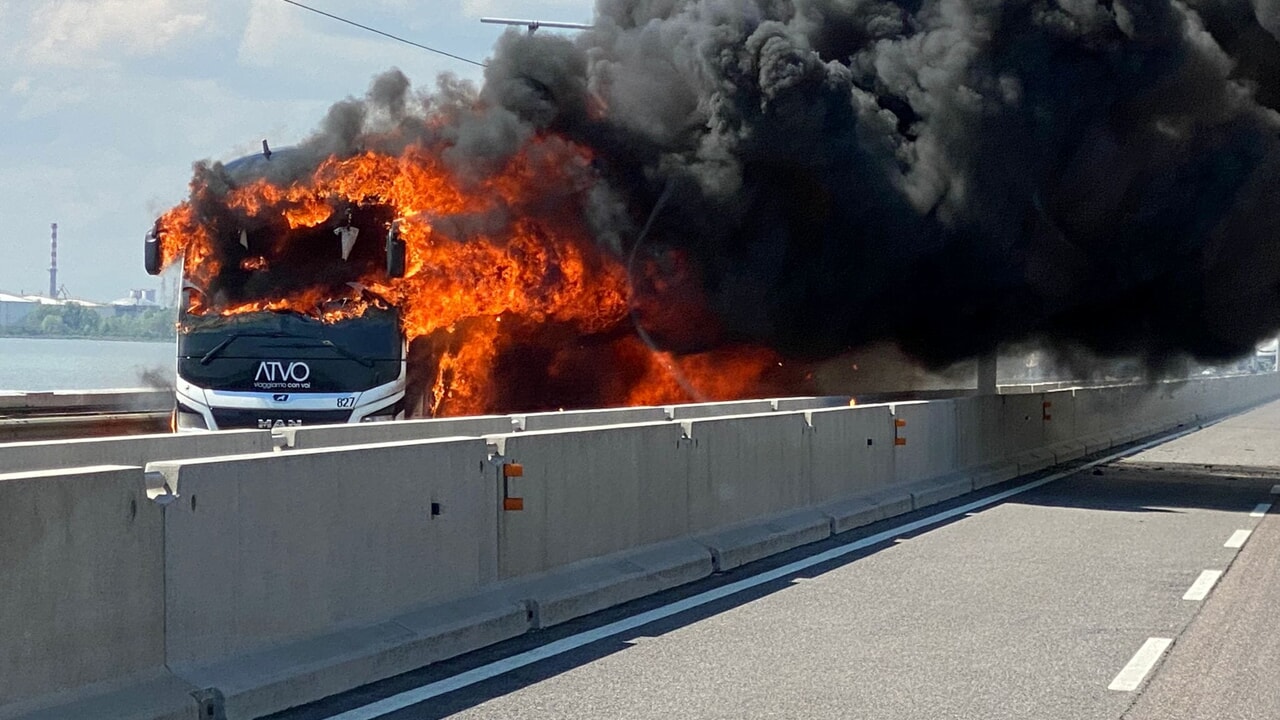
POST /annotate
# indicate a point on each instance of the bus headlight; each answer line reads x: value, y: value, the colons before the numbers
x: 391, y: 412
x: 188, y: 419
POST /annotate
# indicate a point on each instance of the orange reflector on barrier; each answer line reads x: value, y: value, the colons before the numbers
x: 899, y: 441
x: 899, y: 423
x: 512, y: 470
x: 512, y: 504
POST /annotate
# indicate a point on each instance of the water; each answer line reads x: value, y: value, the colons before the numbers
x: 62, y: 364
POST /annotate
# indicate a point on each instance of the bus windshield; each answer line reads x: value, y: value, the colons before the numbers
x: 285, y: 351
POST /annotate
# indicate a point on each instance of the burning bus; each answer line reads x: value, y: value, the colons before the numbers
x: 380, y: 282
x: 335, y: 354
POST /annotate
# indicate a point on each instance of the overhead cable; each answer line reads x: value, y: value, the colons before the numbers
x: 385, y: 34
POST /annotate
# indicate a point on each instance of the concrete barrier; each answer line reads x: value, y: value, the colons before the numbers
x: 1058, y: 411
x: 264, y: 549
x: 129, y: 450
x: 694, y: 411
x: 1022, y: 423
x: 1237, y: 393
x: 288, y: 576
x: 1141, y: 405
x: 793, y: 404
x: 588, y: 418
x: 851, y: 452
x: 925, y: 440
x: 1186, y: 399
x: 749, y: 486
x: 979, y: 430
x: 583, y: 587
x: 589, y: 492
x: 745, y: 467
x: 320, y: 564
x: 345, y: 434
x: 1100, y: 410
x: 83, y: 614
x: 747, y: 542
x: 322, y: 436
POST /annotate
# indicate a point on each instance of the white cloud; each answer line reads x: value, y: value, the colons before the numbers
x: 46, y: 98
x: 262, y: 41
x: 98, y: 33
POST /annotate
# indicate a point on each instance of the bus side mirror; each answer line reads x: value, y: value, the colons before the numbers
x: 396, y: 253
x: 151, y: 260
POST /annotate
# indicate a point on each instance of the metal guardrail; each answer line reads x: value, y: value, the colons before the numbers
x: 62, y: 427
x: 83, y: 413
x: 76, y: 402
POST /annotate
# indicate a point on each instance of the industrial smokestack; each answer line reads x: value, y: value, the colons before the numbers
x: 53, y: 263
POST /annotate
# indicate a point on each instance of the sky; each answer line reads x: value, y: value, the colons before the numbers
x: 105, y: 104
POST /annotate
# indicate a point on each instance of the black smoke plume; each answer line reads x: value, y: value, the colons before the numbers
x: 946, y: 175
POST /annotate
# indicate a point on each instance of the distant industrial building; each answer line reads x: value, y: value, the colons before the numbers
x: 14, y: 309
x: 136, y: 302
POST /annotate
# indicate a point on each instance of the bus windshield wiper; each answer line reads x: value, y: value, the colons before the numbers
x: 347, y: 353
x: 217, y: 349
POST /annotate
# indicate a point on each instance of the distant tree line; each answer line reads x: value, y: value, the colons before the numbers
x: 72, y: 320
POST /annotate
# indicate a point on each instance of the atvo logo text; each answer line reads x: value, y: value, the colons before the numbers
x: 277, y: 375
x: 277, y: 371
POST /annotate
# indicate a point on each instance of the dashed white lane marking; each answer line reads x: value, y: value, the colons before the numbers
x: 1203, y: 584
x: 1262, y: 509
x: 1238, y: 538
x: 1146, y: 658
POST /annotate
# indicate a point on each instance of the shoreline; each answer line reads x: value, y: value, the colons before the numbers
x: 6, y: 336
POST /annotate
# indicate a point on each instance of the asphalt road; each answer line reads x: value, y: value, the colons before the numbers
x: 1030, y: 608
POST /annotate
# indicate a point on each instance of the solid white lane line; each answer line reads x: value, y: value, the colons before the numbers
x: 1146, y: 658
x: 1203, y: 584
x: 1238, y: 539
x: 573, y: 642
x: 426, y: 692
x: 1262, y: 509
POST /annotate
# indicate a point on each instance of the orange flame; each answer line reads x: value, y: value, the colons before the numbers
x: 482, y: 290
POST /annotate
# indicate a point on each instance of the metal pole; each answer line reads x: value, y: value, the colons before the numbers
x: 53, y: 263
x: 987, y: 374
